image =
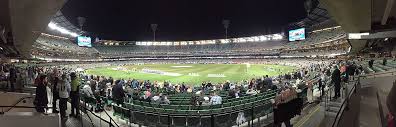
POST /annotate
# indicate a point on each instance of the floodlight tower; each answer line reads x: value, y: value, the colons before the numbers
x: 226, y: 24
x: 81, y: 22
x: 154, y: 28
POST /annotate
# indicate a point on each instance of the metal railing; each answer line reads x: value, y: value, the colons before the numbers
x: 347, y: 94
x: 345, y: 104
x: 16, y: 103
x: 23, y: 107
x: 381, y: 111
x: 87, y: 111
x: 107, y: 122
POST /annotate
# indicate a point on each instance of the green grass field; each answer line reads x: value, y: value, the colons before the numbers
x: 178, y: 73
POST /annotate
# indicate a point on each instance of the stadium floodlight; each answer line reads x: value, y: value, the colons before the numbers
x: 226, y: 24
x: 53, y: 26
x: 277, y: 37
x: 262, y: 38
x: 154, y: 28
x: 81, y: 22
x: 256, y: 38
x: 223, y: 41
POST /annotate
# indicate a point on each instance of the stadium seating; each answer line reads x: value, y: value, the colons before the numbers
x: 209, y: 49
x: 53, y: 47
x: 149, y: 114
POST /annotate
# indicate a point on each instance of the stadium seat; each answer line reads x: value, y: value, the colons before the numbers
x: 138, y: 107
x: 234, y: 103
x: 216, y: 110
x: 125, y: 113
x: 228, y: 104
x: 137, y: 102
x: 203, y: 112
x: 223, y: 120
x: 183, y: 107
x: 215, y: 106
x: 117, y: 110
x: 193, y: 119
x: 147, y: 104
x: 149, y: 109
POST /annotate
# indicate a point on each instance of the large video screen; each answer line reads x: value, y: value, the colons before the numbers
x: 84, y: 41
x: 297, y: 34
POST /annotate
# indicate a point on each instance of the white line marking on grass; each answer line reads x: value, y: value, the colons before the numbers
x: 216, y: 75
x: 193, y: 74
x: 149, y: 71
x: 172, y: 74
x: 119, y: 69
x: 181, y: 66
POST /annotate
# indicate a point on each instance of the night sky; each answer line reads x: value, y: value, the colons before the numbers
x: 182, y: 19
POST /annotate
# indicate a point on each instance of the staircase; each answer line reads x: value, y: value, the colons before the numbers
x: 332, y: 107
x: 331, y: 111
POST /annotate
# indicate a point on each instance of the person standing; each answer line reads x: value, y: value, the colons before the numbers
x: 55, y: 94
x: 64, y: 90
x: 74, y: 94
x: 336, y: 79
x: 41, y: 99
x: 12, y: 78
x: 322, y: 82
x: 371, y: 62
x: 118, y: 92
x: 309, y: 91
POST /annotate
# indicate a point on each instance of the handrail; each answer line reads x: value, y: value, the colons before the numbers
x: 378, y: 73
x: 34, y: 107
x: 88, y: 117
x: 381, y: 112
x: 111, y: 119
x: 21, y: 99
x: 98, y: 116
x: 341, y: 111
x: 2, y: 106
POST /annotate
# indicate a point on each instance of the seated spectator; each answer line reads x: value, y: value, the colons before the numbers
x: 87, y: 91
x: 164, y: 100
x: 129, y: 92
x: 206, y: 101
x: 215, y: 99
x: 251, y: 92
x: 156, y: 98
x: 147, y: 94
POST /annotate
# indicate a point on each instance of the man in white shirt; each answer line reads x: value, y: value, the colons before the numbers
x: 216, y: 99
x: 64, y: 89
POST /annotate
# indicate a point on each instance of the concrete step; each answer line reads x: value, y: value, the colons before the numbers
x: 334, y: 104
x: 333, y: 109
x: 331, y: 114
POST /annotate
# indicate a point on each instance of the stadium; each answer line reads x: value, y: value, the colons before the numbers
x: 304, y: 63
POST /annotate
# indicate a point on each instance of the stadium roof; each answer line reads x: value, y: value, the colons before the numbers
x: 316, y: 15
x: 61, y: 22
